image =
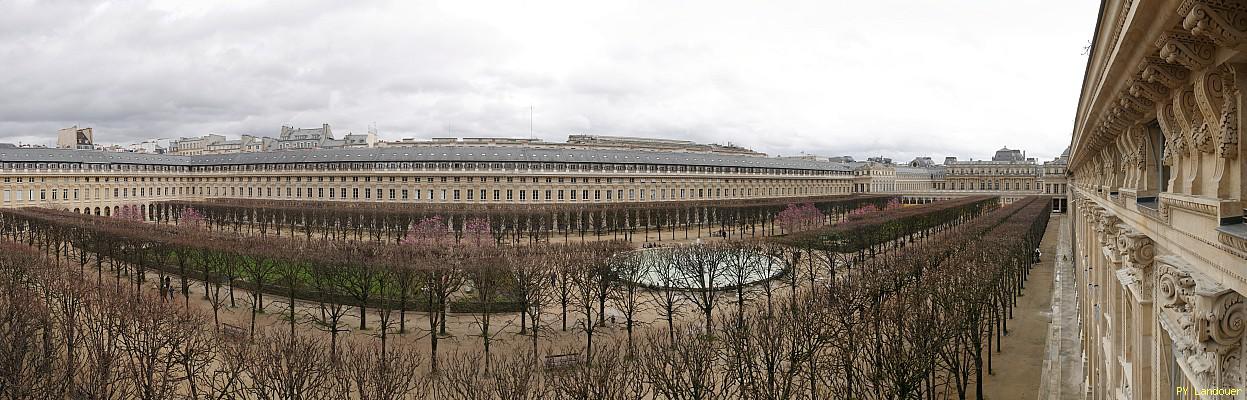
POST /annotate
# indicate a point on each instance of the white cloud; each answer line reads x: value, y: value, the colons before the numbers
x: 897, y: 78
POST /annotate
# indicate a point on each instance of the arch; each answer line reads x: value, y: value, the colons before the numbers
x: 97, y: 211
x: 77, y: 211
x: 108, y: 211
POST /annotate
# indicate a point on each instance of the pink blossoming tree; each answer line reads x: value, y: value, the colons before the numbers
x: 190, y: 217
x: 431, y: 230
x: 799, y: 217
x: 477, y: 230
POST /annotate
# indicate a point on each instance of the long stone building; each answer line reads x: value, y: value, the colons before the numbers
x: 586, y: 169
x: 1160, y: 243
x: 99, y: 182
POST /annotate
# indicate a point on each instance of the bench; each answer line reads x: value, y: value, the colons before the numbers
x: 562, y: 361
x: 233, y: 332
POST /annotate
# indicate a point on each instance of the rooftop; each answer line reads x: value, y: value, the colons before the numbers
x: 450, y: 153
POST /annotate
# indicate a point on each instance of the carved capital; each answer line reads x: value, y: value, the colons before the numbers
x: 1137, y: 249
x: 1224, y: 22
x: 1191, y: 51
x: 1176, y: 288
x: 1223, y: 320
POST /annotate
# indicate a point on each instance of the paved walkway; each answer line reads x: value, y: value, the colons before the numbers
x: 1062, y: 374
x: 1019, y: 365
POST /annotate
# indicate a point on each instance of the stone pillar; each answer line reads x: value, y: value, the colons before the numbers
x: 1137, y: 253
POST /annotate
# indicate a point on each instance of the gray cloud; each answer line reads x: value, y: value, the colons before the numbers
x: 895, y: 78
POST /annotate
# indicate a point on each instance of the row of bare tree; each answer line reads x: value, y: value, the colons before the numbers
x: 901, y: 324
x: 529, y: 223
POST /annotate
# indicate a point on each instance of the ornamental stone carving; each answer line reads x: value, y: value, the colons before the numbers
x: 1159, y: 71
x: 1106, y: 228
x: 1190, y: 51
x: 1137, y: 254
x: 1154, y: 92
x: 1175, y: 288
x: 1206, y: 321
x: 1225, y: 320
x: 1222, y: 21
x: 1136, y: 105
x: 1227, y: 141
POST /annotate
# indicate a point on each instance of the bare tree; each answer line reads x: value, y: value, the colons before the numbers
x: 627, y: 296
x: 702, y: 271
x: 667, y: 296
x: 369, y: 374
x: 442, y: 275
x: 488, y: 271
x: 291, y: 367
x: 684, y: 368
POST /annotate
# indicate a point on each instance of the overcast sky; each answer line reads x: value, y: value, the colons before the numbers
x: 863, y: 78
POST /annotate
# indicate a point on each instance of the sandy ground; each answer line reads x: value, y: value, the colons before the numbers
x: 1019, y: 365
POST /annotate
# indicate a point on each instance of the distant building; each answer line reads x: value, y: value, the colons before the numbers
x: 880, y: 159
x: 194, y: 146
x: 588, y: 142
x: 292, y: 138
x: 7, y: 146
x: 632, y: 142
x: 1005, y: 154
x: 355, y: 141
x: 1010, y: 173
x: 75, y: 138
x: 150, y: 146
x: 922, y: 162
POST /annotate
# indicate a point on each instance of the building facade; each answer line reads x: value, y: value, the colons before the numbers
x: 1009, y: 174
x: 1160, y: 244
x: 196, y: 145
x: 75, y: 138
x: 100, y: 182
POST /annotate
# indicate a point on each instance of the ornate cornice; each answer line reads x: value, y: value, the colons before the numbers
x: 1209, y: 210
x: 1137, y: 104
x: 1224, y: 22
x: 1191, y: 51
x: 1234, y: 242
x: 1155, y: 92
x: 1157, y: 70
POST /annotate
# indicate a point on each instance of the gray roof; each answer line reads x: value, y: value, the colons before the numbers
x: 422, y: 154
x: 919, y: 170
